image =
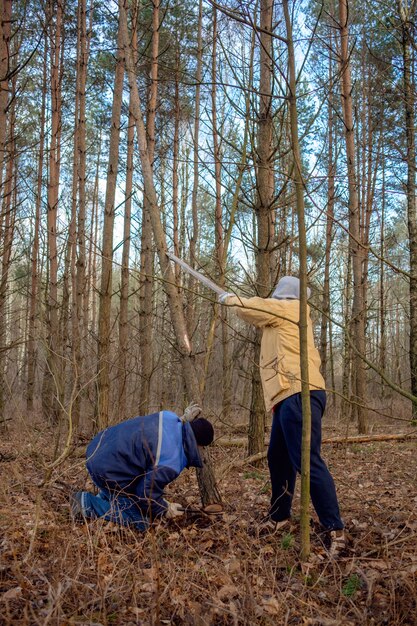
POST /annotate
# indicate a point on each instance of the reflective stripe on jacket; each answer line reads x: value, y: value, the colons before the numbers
x: 141, y: 456
x: 280, y: 347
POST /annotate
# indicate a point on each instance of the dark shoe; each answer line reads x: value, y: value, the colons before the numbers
x: 76, y: 507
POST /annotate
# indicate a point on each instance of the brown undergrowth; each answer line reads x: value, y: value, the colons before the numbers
x: 201, y: 571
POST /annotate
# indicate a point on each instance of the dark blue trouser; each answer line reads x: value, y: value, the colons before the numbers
x: 113, y: 507
x: 284, y: 460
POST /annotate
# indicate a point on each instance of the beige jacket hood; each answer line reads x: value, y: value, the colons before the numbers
x: 280, y: 348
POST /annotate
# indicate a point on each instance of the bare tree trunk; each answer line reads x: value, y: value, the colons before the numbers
x: 80, y: 278
x: 90, y: 300
x: 122, y: 360
x: 147, y: 262
x: 194, y: 209
x: 106, y: 290
x: 34, y: 282
x: 175, y: 159
x: 382, y: 300
x: 356, y: 250
x: 305, y: 387
x: 407, y: 14
x: 208, y: 489
x: 346, y: 356
x: 218, y: 213
x: 68, y: 311
x: 7, y: 225
x: 5, y: 69
x: 324, y: 335
x: 52, y: 396
x: 265, y: 196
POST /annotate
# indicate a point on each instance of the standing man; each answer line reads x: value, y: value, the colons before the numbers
x: 278, y: 317
x: 132, y: 463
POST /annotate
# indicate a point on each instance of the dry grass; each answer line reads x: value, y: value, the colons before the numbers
x: 203, y: 572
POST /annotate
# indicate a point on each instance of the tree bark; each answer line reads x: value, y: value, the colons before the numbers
x: 53, y: 392
x: 194, y: 209
x: 34, y: 281
x: 265, y: 195
x: 208, y: 489
x: 147, y: 261
x: 303, y: 328
x: 80, y: 276
x: 324, y: 335
x: 356, y: 250
x: 122, y: 361
x: 407, y: 14
x: 104, y: 322
x: 7, y: 225
x: 5, y: 23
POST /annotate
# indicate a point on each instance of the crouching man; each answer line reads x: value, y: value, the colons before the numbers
x: 132, y: 462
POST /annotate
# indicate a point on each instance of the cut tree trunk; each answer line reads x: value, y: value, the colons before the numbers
x: 208, y: 489
x: 252, y: 460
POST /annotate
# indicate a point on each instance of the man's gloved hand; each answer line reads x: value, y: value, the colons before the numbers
x: 174, y: 510
x: 191, y: 412
x: 224, y: 297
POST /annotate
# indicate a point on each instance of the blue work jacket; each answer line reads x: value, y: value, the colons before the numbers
x: 142, y: 455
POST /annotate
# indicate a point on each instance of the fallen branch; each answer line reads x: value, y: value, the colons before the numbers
x: 330, y: 440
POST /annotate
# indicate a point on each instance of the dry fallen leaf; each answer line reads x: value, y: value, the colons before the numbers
x: 12, y: 594
x: 272, y: 606
x: 226, y: 592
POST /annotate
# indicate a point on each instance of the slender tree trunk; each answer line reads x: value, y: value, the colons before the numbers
x: 356, y: 250
x: 382, y: 299
x: 5, y: 23
x: 7, y: 223
x: 265, y: 195
x: 34, y: 282
x: 347, y: 361
x: 407, y: 13
x: 194, y: 208
x: 218, y: 213
x: 324, y: 335
x: 124, y: 288
x: 80, y: 277
x: 106, y: 290
x: 208, y: 489
x: 147, y: 262
x: 221, y: 251
x: 68, y: 308
x: 53, y: 392
x: 91, y: 299
x: 305, y: 388
x: 175, y: 160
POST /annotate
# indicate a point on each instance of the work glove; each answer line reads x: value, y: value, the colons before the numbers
x: 223, y: 297
x: 191, y: 412
x: 174, y: 510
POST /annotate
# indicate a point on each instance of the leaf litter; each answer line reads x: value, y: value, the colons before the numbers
x: 200, y: 571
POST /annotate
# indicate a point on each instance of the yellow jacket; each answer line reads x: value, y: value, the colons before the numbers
x: 280, y: 347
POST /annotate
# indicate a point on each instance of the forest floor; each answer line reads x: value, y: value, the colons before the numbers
x: 207, y: 571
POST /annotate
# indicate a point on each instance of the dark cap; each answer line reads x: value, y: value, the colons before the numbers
x: 203, y: 431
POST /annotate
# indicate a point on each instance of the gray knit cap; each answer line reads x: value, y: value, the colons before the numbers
x: 288, y: 288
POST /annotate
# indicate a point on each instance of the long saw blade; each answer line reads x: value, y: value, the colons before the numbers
x: 203, y: 279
